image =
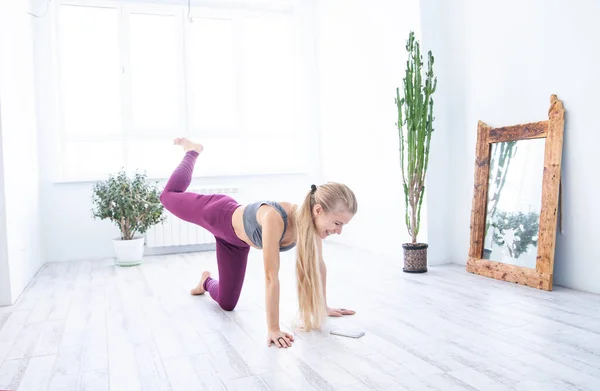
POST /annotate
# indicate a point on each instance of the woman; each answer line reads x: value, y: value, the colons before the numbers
x: 270, y: 226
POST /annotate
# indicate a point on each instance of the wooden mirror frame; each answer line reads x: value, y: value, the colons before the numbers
x: 552, y: 130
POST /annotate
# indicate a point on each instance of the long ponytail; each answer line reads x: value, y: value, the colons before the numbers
x: 311, y: 299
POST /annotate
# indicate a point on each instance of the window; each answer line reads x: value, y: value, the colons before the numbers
x: 212, y: 83
x: 266, y: 68
x: 90, y: 89
x: 131, y: 77
x: 155, y: 73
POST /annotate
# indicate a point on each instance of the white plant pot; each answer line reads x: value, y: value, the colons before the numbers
x: 129, y: 252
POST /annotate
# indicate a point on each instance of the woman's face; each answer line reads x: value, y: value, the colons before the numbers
x: 330, y: 223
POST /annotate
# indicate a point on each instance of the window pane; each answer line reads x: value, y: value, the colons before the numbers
x: 154, y: 72
x: 221, y: 157
x: 160, y: 158
x: 91, y: 159
x: 212, y: 76
x: 274, y: 155
x: 267, y: 72
x: 157, y: 157
x: 90, y: 69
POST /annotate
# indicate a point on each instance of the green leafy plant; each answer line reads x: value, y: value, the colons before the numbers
x: 415, y: 126
x: 131, y: 203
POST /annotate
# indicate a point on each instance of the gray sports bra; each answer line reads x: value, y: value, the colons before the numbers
x: 254, y: 230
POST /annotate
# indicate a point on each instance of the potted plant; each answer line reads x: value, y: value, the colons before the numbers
x: 415, y: 126
x: 133, y: 205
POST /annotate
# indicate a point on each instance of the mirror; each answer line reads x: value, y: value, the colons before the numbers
x: 515, y: 200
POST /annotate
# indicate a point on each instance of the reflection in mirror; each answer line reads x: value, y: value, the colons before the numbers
x: 514, y: 202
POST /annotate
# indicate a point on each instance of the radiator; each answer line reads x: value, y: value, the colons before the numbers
x: 176, y: 232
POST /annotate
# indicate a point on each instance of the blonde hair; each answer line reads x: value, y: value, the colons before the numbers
x: 333, y: 197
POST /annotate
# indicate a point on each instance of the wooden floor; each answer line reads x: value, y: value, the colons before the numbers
x: 94, y: 326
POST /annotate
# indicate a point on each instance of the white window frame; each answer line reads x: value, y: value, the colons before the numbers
x: 197, y: 9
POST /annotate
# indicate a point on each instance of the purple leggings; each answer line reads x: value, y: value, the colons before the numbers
x: 213, y: 212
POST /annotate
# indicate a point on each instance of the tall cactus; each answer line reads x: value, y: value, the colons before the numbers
x: 415, y: 125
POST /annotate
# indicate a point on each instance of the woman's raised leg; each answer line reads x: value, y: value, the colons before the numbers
x: 186, y: 206
x: 182, y: 176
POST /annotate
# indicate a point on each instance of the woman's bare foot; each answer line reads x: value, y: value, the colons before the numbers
x: 188, y: 145
x: 199, y: 290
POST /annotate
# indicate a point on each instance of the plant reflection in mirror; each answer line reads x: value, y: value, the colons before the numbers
x: 516, y: 231
x: 500, y: 157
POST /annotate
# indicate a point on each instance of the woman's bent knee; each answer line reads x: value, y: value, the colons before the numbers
x: 227, y: 306
x: 164, y: 196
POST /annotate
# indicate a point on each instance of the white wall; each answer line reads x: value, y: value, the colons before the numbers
x: 19, y: 151
x: 69, y: 231
x: 504, y: 60
x: 436, y: 18
x: 5, y: 296
x: 362, y: 54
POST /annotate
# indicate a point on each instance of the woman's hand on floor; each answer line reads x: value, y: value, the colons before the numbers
x: 339, y: 311
x: 280, y: 339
